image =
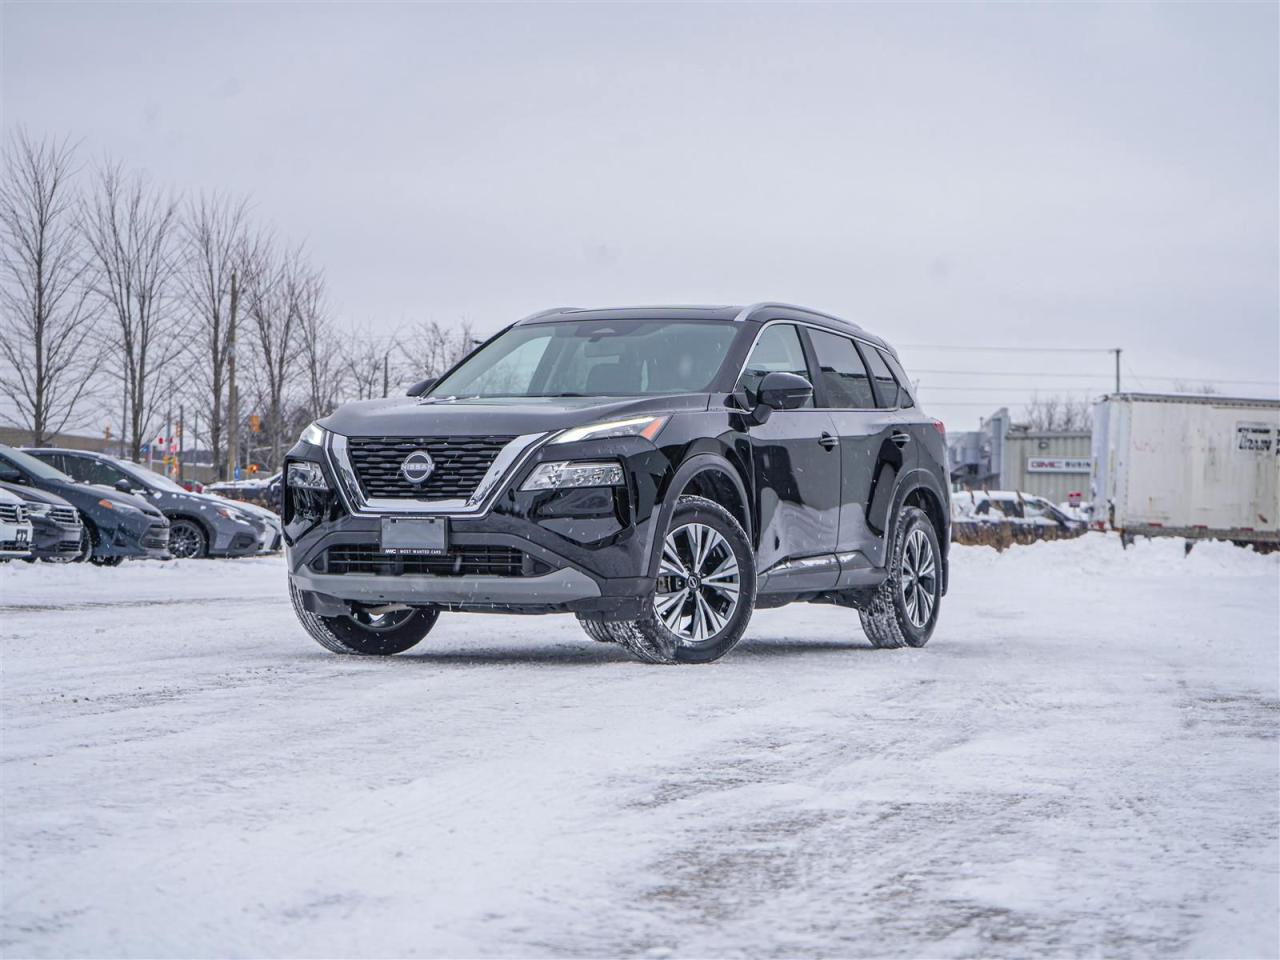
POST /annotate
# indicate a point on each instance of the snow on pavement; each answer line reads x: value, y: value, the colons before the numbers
x: 1082, y: 762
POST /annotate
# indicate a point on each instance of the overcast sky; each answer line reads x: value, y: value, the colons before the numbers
x: 1021, y: 174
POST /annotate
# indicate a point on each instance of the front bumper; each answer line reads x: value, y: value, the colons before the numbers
x: 55, y: 541
x: 582, y: 550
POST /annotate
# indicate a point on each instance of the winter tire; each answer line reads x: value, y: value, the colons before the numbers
x: 597, y: 630
x: 904, y: 609
x: 187, y: 540
x: 705, y: 590
x: 366, y: 634
x: 86, y: 545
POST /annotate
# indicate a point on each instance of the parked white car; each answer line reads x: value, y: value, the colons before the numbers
x: 1002, y: 517
x: 15, y: 527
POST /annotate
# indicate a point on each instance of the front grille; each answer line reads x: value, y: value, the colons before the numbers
x: 13, y: 513
x: 69, y: 547
x: 460, y: 464
x: 460, y: 561
x: 65, y: 515
x: 157, y: 536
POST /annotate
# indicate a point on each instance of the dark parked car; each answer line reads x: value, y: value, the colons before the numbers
x: 659, y: 472
x: 199, y: 525
x: 57, y: 532
x: 116, y: 525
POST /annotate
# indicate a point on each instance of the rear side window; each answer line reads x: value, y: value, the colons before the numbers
x: 777, y: 350
x: 888, y: 393
x: 904, y: 382
x: 844, y: 377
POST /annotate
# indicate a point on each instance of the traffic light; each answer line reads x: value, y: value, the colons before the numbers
x: 255, y: 423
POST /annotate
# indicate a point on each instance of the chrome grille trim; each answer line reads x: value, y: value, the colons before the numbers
x: 505, y: 463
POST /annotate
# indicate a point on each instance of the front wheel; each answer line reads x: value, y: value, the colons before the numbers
x: 706, y: 589
x: 904, y: 609
x: 365, y: 632
x: 187, y: 540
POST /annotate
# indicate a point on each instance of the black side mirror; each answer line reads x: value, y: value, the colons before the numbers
x: 421, y: 387
x: 781, y: 391
x: 10, y: 475
x: 123, y: 485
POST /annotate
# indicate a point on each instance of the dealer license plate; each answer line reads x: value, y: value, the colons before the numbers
x: 415, y: 535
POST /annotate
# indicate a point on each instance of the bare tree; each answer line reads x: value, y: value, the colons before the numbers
x: 131, y: 228
x: 275, y: 292
x: 319, y: 351
x: 367, y: 364
x: 46, y: 317
x: 214, y: 247
x: 1202, y: 387
x: 431, y: 349
x: 1059, y: 414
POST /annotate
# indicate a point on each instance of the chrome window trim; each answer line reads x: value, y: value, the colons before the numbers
x: 813, y: 326
x: 509, y: 458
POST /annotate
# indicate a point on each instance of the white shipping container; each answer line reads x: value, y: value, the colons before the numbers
x: 1198, y: 467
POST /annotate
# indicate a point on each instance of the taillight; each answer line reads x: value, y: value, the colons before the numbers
x: 940, y: 427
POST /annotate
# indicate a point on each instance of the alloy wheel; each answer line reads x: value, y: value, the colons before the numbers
x: 698, y: 584
x: 919, y: 578
x: 184, y: 541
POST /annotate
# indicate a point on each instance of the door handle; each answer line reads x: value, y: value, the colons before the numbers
x: 828, y: 441
x: 901, y: 439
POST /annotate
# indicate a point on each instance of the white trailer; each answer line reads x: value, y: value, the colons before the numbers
x: 1188, y: 466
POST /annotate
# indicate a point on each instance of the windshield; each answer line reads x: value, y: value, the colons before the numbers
x: 595, y: 358
x: 37, y: 468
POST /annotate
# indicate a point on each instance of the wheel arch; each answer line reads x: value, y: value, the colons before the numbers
x: 920, y: 489
x: 705, y: 475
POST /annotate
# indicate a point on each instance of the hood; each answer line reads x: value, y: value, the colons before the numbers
x: 35, y: 494
x: 494, y: 416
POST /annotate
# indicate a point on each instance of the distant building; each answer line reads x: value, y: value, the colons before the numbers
x: 1003, y: 455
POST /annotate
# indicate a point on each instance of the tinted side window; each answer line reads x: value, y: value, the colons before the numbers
x: 843, y: 375
x: 93, y: 471
x: 778, y: 349
x: 904, y: 395
x: 886, y: 383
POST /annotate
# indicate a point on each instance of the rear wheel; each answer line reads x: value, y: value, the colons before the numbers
x: 904, y: 609
x: 367, y: 631
x: 187, y: 540
x: 705, y: 590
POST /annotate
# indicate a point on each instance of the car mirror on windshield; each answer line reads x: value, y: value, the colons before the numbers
x: 123, y: 486
x: 421, y: 387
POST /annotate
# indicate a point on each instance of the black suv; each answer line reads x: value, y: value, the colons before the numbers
x: 659, y: 472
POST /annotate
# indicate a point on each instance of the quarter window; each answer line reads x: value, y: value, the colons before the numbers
x: 844, y: 377
x: 777, y: 350
x: 888, y: 393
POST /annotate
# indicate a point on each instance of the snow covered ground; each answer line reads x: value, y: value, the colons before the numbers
x: 1082, y: 762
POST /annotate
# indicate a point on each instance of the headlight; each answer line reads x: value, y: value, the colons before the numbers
x: 123, y: 507
x: 314, y: 435
x: 306, y: 475
x: 38, y: 509
x: 226, y: 514
x: 568, y: 473
x: 646, y: 427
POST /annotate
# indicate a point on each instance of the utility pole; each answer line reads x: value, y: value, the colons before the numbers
x: 232, y: 403
x: 182, y: 441
x: 385, y: 358
x: 1116, y: 351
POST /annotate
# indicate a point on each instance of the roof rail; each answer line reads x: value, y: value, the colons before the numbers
x: 746, y: 313
x: 545, y: 313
